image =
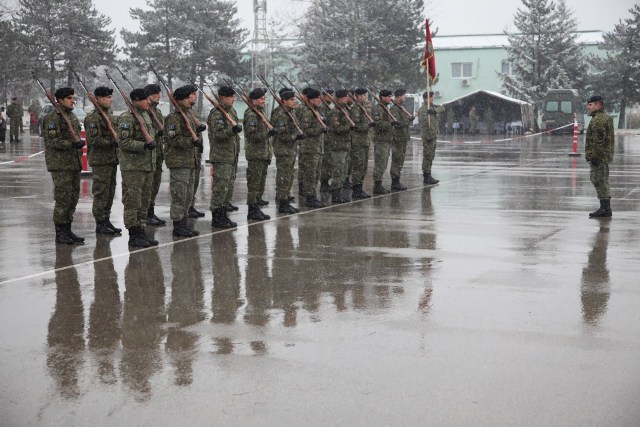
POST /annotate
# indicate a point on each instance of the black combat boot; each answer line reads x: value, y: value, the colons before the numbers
x: 396, y: 185
x: 379, y: 189
x: 347, y: 185
x: 231, y: 207
x: 604, y: 211
x: 152, y: 219
x: 103, y: 228
x: 336, y: 196
x: 194, y: 213
x: 284, y: 207
x: 61, y: 235
x: 313, y: 202
x: 358, y: 193
x: 76, y: 238
x: 136, y: 238
x: 324, y: 186
x: 427, y: 179
x: 180, y: 228
x: 152, y: 242
x: 113, y: 227
x: 192, y: 230
x: 255, y: 214
x: 219, y: 219
x: 262, y: 202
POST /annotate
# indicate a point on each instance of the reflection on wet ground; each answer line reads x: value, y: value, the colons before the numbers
x: 489, y: 299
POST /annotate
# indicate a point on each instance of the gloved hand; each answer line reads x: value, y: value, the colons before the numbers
x: 78, y: 144
x: 594, y: 162
x: 301, y: 136
x: 150, y: 145
x: 196, y: 142
x: 411, y: 119
x: 114, y: 143
x: 432, y: 111
x: 160, y: 132
x: 201, y: 128
x: 352, y: 127
x: 273, y: 132
x: 372, y: 124
x: 395, y: 124
x: 237, y: 129
x: 325, y: 130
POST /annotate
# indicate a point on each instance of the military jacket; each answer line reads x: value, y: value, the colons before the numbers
x: 256, y: 136
x: 131, y: 151
x: 359, y: 135
x: 59, y: 153
x: 383, y: 131
x: 223, y: 142
x: 340, y: 131
x: 599, y: 142
x: 429, y: 129
x: 285, y: 141
x: 14, y: 110
x: 400, y: 133
x: 101, y: 147
x: 312, y: 144
x: 179, y: 149
x: 160, y: 139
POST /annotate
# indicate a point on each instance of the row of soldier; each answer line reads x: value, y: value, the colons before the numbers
x: 329, y: 133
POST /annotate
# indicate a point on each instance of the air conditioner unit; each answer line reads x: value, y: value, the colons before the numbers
x: 437, y: 94
x: 465, y: 82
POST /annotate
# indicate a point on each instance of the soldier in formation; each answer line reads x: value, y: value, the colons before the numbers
x: 155, y: 93
x: 310, y: 149
x: 15, y: 113
x: 428, y: 116
x: 401, y: 138
x: 359, y: 156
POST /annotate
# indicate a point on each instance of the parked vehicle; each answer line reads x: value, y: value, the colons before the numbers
x: 77, y: 110
x: 558, y: 108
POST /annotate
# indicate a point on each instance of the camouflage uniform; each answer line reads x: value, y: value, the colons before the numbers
x: 310, y: 151
x: 340, y: 145
x: 223, y: 155
x: 382, y: 139
x: 325, y: 160
x: 157, y: 174
x: 103, y: 159
x: 257, y: 151
x: 199, y: 150
x: 401, y: 137
x: 429, y: 132
x: 284, y: 148
x: 181, y: 158
x: 359, y: 144
x: 137, y: 166
x: 599, y: 146
x: 15, y: 113
x: 64, y: 161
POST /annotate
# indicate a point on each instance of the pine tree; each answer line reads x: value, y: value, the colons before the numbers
x: 380, y: 41
x: 617, y: 76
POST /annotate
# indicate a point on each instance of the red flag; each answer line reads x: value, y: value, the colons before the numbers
x: 429, y: 59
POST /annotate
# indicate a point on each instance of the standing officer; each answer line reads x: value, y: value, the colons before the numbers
x: 258, y: 153
x: 193, y: 212
x: 181, y: 159
x: 103, y: 159
x: 15, y: 113
x: 137, y: 165
x: 359, y: 144
x: 382, y: 140
x: 325, y: 162
x: 223, y: 155
x: 310, y: 150
x: 428, y: 117
x: 63, y: 156
x: 155, y: 93
x: 599, y: 147
x: 340, y: 144
x: 401, y: 137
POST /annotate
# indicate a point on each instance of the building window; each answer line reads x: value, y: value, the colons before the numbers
x: 461, y: 70
x: 507, y: 68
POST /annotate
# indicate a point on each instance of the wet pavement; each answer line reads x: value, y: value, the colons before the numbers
x: 490, y: 299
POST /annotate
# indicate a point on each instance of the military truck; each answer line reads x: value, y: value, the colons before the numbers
x: 558, y: 108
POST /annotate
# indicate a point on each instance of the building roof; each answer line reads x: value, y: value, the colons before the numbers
x: 491, y: 93
x: 475, y: 41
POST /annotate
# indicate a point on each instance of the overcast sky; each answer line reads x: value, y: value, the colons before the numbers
x: 449, y: 16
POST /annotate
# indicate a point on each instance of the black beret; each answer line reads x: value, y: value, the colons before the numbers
x: 385, y: 92
x: 182, y: 92
x: 287, y: 94
x: 399, y: 92
x: 62, y: 93
x: 226, y: 91
x: 427, y: 94
x: 192, y: 88
x: 312, y: 93
x: 596, y: 98
x: 360, y: 91
x: 257, y: 93
x: 153, y: 88
x: 138, y: 94
x: 327, y: 91
x: 103, y: 91
x: 15, y: 99
x: 306, y: 90
x: 341, y: 93
x: 283, y: 90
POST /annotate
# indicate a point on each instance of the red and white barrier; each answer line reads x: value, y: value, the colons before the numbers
x: 575, y: 153
x: 86, y: 170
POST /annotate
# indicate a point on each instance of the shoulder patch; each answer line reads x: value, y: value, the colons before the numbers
x: 93, y: 125
x: 125, y: 126
x: 172, y: 126
x: 51, y: 125
x: 253, y: 123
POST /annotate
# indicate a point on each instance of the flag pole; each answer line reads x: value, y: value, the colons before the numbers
x: 426, y: 60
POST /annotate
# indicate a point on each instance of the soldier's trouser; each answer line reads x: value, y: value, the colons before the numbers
x: 284, y: 176
x: 103, y: 190
x: 196, y: 180
x: 359, y: 163
x: 398, y: 152
x: 380, y: 158
x: 339, y: 173
x: 256, y: 178
x: 600, y: 180
x: 347, y: 165
x: 428, y: 154
x: 222, y: 179
x: 136, y: 196
x: 308, y: 170
x: 66, y: 192
x: 14, y: 129
x: 181, y: 187
x: 229, y: 196
x: 325, y: 165
x: 157, y: 178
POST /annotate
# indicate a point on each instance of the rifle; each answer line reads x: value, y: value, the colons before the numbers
x: 306, y: 102
x: 326, y: 104
x: 55, y: 104
x: 341, y: 108
x: 97, y: 106
x: 382, y: 104
x: 249, y: 103
x: 219, y: 107
x: 143, y: 127
x: 279, y: 101
x: 187, y: 123
x: 151, y: 112
x: 353, y: 98
x: 400, y: 106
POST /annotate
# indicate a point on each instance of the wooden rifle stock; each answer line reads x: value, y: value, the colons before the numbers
x: 151, y: 112
x: 306, y: 102
x: 218, y: 106
x: 134, y: 111
x: 173, y: 101
x: 355, y: 101
x: 247, y: 100
x: 58, y: 108
x: 279, y: 101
